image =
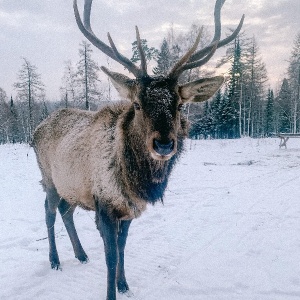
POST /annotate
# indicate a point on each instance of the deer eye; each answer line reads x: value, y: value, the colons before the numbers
x: 180, y: 106
x: 136, y: 106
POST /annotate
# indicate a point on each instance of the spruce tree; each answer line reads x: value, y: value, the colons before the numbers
x: 216, y: 114
x: 150, y: 53
x: 87, y: 77
x: 246, y: 87
x: 269, y: 114
x: 228, y: 117
x: 164, y: 60
x: 294, y: 82
x: 284, y: 107
x: 4, y: 117
x: 234, y: 92
x: 15, y: 134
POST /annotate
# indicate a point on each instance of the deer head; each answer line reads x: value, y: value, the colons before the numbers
x: 157, y: 100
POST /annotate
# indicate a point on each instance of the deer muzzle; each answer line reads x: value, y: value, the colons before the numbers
x: 162, y: 148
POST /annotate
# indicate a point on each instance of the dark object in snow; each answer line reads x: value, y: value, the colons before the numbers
x: 284, y: 137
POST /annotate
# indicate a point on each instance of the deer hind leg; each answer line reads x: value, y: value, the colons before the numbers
x: 51, y: 204
x: 67, y: 211
x: 108, y: 228
x: 122, y: 237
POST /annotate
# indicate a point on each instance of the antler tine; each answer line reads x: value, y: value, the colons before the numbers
x: 217, y: 20
x: 202, y: 56
x: 182, y: 64
x: 87, y: 14
x: 217, y: 35
x: 120, y: 58
x: 201, y: 53
x: 203, y: 61
x: 87, y: 31
x: 141, y: 52
x: 177, y: 69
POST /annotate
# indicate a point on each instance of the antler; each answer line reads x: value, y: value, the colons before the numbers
x: 112, y: 51
x: 193, y: 60
x: 190, y: 60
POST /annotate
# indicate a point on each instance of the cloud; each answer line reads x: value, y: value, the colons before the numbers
x: 46, y: 33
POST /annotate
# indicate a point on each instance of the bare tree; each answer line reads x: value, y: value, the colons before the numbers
x: 30, y: 88
x: 294, y: 82
x: 255, y: 78
x: 68, y: 87
x: 180, y: 43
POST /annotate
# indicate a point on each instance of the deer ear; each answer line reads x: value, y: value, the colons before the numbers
x: 200, y: 90
x: 125, y: 86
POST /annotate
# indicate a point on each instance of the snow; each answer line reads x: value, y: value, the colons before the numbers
x: 229, y: 229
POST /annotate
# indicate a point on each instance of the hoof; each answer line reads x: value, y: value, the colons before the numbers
x: 55, y: 265
x: 83, y: 259
x: 123, y: 287
x: 54, y: 261
x: 128, y: 294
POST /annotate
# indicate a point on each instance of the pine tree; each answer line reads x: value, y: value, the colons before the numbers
x: 294, y: 82
x: 228, y: 116
x: 43, y: 109
x: 87, y: 77
x: 4, y: 117
x: 270, y: 114
x: 150, y: 53
x: 234, y: 96
x: 246, y: 88
x: 236, y: 70
x: 207, y: 122
x: 164, y: 59
x: 15, y: 135
x: 216, y: 112
x: 284, y: 107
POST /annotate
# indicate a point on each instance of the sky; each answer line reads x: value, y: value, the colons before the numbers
x: 45, y: 32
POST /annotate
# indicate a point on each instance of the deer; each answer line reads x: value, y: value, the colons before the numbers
x: 117, y: 160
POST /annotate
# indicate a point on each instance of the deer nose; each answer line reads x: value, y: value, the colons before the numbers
x: 163, y: 148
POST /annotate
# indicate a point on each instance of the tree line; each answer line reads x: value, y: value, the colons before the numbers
x: 80, y: 87
x: 246, y: 106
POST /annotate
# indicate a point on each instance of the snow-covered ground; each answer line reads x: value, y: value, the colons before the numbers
x: 229, y: 229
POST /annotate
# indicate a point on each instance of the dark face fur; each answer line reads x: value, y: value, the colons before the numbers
x: 157, y: 102
x: 157, y: 113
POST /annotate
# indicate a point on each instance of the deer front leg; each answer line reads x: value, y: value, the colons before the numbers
x: 108, y: 230
x: 122, y: 237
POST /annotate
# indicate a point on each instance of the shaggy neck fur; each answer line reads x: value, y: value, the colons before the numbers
x: 145, y: 177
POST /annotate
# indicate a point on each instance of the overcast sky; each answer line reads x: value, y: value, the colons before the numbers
x: 45, y: 31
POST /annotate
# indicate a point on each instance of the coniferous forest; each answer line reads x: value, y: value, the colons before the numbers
x: 245, y: 106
